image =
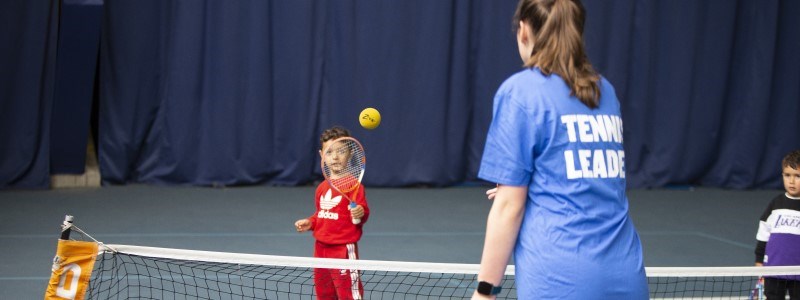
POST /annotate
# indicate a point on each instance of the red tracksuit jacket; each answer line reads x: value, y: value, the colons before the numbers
x: 332, y: 223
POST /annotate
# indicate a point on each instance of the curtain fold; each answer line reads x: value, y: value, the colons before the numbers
x: 218, y: 93
x: 708, y: 88
x: 27, y: 80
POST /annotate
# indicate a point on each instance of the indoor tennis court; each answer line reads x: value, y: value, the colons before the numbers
x: 699, y: 227
x: 236, y: 131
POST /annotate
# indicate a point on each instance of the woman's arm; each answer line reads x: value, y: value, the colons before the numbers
x: 502, y: 228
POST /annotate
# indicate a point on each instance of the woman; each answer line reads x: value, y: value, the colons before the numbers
x: 555, y: 149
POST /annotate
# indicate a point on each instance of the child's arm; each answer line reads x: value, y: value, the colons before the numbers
x: 762, y: 236
x: 760, y: 248
x: 310, y: 222
x: 361, y: 211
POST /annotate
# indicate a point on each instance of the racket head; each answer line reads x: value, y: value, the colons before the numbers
x: 343, y: 164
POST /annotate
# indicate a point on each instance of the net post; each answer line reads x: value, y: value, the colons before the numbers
x: 66, y: 227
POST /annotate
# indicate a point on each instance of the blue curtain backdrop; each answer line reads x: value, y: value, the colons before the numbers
x: 28, y: 42
x: 225, y: 93
x: 76, y: 71
x: 710, y: 89
x: 236, y: 92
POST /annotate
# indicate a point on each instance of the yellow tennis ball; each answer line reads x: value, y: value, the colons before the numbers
x: 369, y: 118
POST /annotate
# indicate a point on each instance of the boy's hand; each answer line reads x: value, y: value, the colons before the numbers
x: 357, y: 212
x: 302, y: 225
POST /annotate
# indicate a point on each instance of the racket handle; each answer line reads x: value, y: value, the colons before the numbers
x: 356, y: 221
x: 760, y: 288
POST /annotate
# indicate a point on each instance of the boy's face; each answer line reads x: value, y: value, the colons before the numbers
x: 791, y: 181
x: 336, y: 156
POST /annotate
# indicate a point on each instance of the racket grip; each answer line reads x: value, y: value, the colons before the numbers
x: 356, y: 221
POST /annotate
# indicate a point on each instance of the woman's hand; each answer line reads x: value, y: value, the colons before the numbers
x: 491, y: 193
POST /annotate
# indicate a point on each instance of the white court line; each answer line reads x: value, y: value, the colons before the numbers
x: 239, y: 234
x: 735, y: 243
x: 702, y: 235
x: 368, y: 233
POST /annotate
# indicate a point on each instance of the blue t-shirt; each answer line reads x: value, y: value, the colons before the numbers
x: 576, y: 240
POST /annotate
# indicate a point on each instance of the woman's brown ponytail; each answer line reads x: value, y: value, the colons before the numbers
x: 558, y: 45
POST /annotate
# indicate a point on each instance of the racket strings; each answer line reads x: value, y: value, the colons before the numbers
x: 344, y: 164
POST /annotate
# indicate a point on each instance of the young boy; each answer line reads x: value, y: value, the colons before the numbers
x: 336, y: 235
x: 779, y: 233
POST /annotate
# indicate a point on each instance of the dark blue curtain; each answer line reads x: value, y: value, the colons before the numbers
x: 710, y: 89
x: 237, y: 92
x: 226, y: 93
x: 27, y: 70
x: 76, y: 74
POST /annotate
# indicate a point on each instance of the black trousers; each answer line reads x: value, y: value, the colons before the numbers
x: 775, y: 288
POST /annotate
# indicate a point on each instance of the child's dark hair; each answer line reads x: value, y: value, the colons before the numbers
x: 791, y: 160
x: 332, y: 133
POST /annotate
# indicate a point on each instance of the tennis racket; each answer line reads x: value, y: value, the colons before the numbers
x: 758, y: 291
x: 343, y: 164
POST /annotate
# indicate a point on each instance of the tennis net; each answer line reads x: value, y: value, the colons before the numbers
x: 135, y: 272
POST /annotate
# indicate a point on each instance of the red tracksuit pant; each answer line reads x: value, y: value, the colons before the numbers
x: 336, y: 283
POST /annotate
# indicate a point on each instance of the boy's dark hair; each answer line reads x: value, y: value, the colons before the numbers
x: 791, y: 160
x: 332, y: 133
